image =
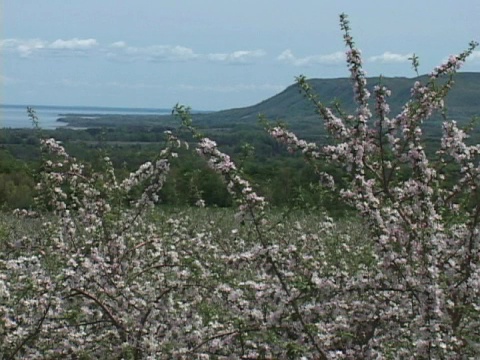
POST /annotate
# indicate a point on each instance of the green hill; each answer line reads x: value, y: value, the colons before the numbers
x: 463, y: 102
x: 290, y: 106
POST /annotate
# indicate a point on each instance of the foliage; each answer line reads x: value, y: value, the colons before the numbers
x: 284, y: 179
x: 107, y: 276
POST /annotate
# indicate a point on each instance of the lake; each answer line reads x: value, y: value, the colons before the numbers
x: 15, y: 116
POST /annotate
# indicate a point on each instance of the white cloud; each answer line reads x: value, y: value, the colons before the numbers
x: 287, y: 56
x: 120, y: 51
x: 123, y: 52
x: 26, y: 48
x: 475, y: 56
x: 73, y: 44
x: 119, y: 44
x: 167, y: 53
x: 237, y: 57
x: 156, y: 53
x: 8, y: 43
x: 329, y: 59
x: 388, y: 57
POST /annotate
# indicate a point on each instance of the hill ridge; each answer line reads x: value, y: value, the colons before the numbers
x: 290, y: 105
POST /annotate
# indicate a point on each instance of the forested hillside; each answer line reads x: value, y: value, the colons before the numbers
x: 285, y: 180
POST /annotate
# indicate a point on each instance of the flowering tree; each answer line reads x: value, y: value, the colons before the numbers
x: 424, y: 289
x: 109, y: 276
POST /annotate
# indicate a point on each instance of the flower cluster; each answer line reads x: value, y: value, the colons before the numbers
x: 425, y: 233
x: 109, y: 275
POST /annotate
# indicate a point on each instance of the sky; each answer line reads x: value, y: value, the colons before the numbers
x: 213, y: 54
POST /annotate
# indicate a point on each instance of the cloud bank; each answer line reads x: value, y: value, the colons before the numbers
x: 339, y: 57
x: 335, y: 58
x: 390, y: 58
x: 157, y: 53
x: 120, y: 51
x: 30, y: 47
x: 237, y: 57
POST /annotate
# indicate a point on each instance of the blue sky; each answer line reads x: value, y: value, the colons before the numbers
x: 213, y: 54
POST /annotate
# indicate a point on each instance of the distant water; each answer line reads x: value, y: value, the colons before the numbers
x: 15, y: 116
